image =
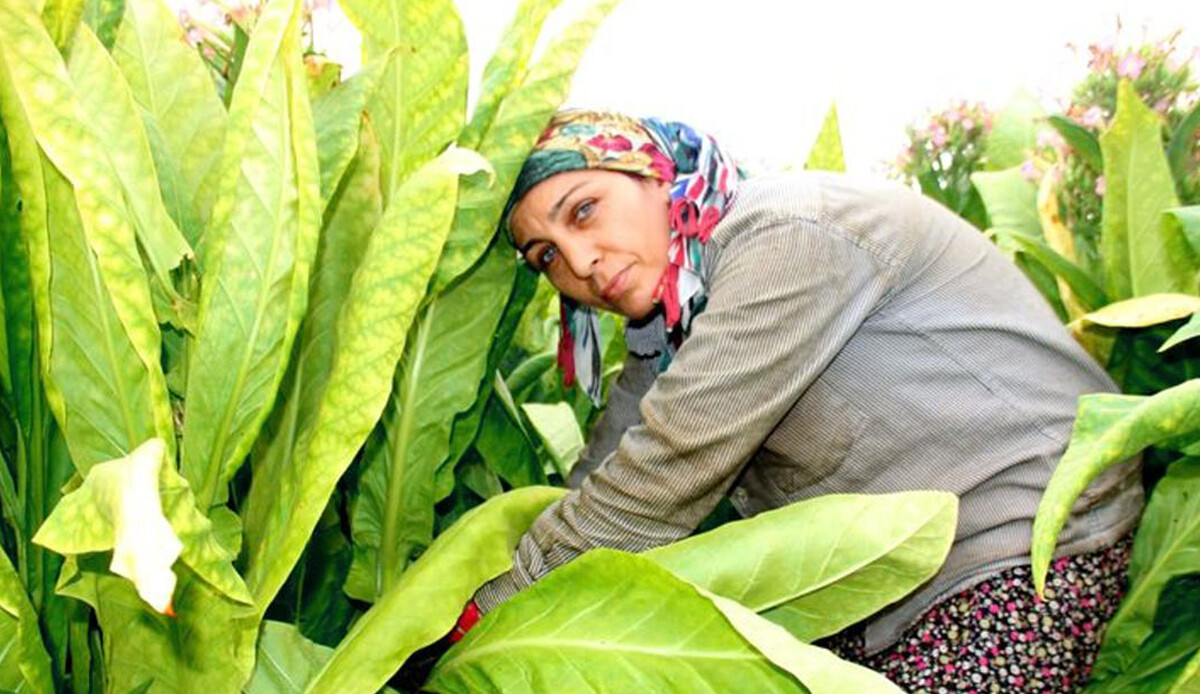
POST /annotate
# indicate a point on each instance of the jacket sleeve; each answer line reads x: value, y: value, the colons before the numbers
x: 621, y: 413
x: 782, y: 301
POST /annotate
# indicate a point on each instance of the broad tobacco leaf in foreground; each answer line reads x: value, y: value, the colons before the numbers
x: 818, y: 566
x: 423, y: 605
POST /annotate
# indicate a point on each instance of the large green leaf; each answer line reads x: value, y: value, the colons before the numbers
x: 1141, y: 255
x: 1167, y: 545
x: 1189, y: 680
x: 1014, y: 132
x: 258, y: 254
x: 104, y: 17
x: 421, y: 102
x: 607, y: 621
x: 43, y: 100
x: 1089, y: 294
x: 826, y: 153
x: 445, y: 359
x: 559, y: 431
x: 788, y: 565
x: 184, y: 118
x: 208, y: 647
x: 337, y: 118
x: 506, y: 68
x: 426, y: 601
x: 288, y: 494
x: 1164, y: 656
x: 1011, y: 200
x: 821, y: 671
x: 116, y: 121
x: 353, y: 213
x: 24, y: 664
x: 1108, y: 429
x: 61, y: 17
x: 519, y: 121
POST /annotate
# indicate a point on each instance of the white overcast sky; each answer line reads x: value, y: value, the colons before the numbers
x: 760, y: 74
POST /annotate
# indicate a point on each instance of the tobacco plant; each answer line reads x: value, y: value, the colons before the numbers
x: 252, y: 390
x: 1131, y: 298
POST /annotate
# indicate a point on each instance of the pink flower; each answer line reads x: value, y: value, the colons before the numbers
x: 1093, y: 117
x: 968, y: 124
x: 1162, y: 105
x: 937, y: 135
x: 1131, y: 66
x: 1100, y: 186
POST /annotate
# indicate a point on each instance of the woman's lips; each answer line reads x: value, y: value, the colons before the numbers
x: 616, y: 286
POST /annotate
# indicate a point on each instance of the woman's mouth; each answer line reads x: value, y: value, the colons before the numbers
x: 616, y: 286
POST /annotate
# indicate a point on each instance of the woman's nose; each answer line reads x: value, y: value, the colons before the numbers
x: 581, y: 255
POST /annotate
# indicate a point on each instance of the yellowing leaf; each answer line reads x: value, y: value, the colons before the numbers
x: 118, y: 507
x: 1142, y: 311
x: 145, y: 513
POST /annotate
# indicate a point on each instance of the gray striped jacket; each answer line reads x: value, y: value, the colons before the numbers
x: 858, y: 337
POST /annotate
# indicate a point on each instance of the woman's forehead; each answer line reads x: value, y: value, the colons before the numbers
x: 549, y: 196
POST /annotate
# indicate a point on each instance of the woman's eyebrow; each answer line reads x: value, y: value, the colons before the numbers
x: 558, y: 205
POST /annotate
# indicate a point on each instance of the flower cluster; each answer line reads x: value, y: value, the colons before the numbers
x: 218, y: 29
x: 1164, y: 81
x: 942, y: 154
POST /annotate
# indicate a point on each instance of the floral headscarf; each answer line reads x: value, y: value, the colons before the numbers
x: 704, y: 180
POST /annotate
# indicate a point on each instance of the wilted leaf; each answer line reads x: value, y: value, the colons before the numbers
x: 788, y: 565
x: 118, y: 507
x: 428, y: 598
x: 607, y: 621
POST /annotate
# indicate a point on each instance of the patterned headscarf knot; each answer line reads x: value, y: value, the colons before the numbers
x: 703, y: 184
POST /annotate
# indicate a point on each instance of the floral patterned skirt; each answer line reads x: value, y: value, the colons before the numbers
x: 997, y: 636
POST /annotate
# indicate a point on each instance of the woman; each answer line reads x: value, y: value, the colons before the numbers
x: 800, y: 336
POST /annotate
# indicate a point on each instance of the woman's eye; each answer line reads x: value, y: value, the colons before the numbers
x: 544, y: 256
x: 584, y: 210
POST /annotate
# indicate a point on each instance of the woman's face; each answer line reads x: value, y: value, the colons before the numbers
x: 600, y: 237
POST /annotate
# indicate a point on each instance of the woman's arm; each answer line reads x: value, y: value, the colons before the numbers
x: 783, y: 300
x: 621, y: 412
